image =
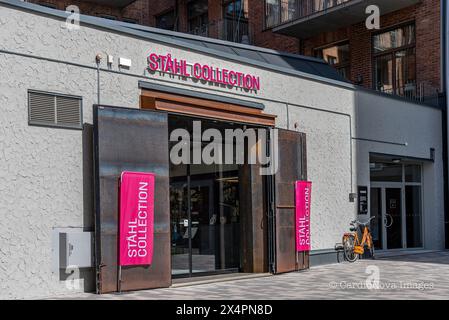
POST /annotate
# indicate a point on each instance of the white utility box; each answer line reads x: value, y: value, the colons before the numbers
x: 75, y: 249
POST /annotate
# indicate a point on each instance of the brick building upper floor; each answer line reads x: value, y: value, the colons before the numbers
x: 403, y: 57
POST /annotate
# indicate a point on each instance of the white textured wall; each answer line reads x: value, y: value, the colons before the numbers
x: 41, y: 169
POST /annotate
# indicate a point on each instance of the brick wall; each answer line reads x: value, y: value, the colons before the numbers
x: 427, y: 21
x: 426, y: 16
x: 138, y: 11
x: 266, y: 38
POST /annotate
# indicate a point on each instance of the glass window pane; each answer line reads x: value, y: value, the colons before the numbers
x: 197, y: 8
x: 406, y: 73
x: 412, y: 173
x: 389, y: 172
x: 413, y: 216
x: 335, y: 55
x: 179, y: 219
x: 273, y: 13
x: 394, y: 39
x: 237, y: 9
x: 166, y: 21
x: 289, y: 10
x: 383, y: 68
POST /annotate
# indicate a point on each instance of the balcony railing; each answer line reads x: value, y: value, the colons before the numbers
x: 310, y: 7
x: 284, y: 11
x: 420, y: 92
x: 307, y: 18
x: 239, y: 31
x: 409, y: 91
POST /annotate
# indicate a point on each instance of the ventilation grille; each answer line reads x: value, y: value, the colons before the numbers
x: 46, y: 109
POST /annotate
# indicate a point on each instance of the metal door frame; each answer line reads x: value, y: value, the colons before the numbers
x: 398, y: 185
x: 269, y: 188
x: 401, y: 185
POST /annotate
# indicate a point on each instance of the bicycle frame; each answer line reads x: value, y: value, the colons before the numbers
x: 366, y: 240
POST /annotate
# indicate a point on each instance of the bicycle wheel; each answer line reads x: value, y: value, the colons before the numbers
x: 348, y: 248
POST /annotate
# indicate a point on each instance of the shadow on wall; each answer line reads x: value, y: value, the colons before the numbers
x: 85, y: 275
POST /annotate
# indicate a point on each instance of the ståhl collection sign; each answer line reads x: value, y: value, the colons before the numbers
x: 136, y: 220
x: 302, y: 217
x: 205, y: 72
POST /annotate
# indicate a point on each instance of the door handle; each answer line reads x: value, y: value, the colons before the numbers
x: 386, y: 221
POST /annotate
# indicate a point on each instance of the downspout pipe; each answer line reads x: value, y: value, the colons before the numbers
x: 444, y: 85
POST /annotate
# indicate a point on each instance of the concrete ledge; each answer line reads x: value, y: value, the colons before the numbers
x: 326, y: 256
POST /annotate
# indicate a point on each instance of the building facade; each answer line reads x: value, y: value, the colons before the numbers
x: 402, y: 57
x: 100, y: 92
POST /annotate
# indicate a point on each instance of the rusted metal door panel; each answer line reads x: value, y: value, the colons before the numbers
x: 130, y: 140
x: 292, y: 167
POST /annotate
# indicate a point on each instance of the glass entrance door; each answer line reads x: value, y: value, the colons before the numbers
x: 396, y: 203
x: 204, y: 212
x: 396, y: 224
x: 393, y: 218
x: 386, y: 207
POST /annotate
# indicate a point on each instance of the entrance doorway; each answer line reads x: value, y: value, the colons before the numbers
x: 396, y: 204
x: 210, y: 214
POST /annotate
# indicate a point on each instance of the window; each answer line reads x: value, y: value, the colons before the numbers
x: 337, y: 56
x: 55, y: 110
x: 198, y: 18
x: 236, y: 27
x: 166, y: 20
x: 390, y: 172
x: 395, y: 61
x: 235, y: 9
x: 289, y: 10
x: 272, y: 13
x: 280, y: 11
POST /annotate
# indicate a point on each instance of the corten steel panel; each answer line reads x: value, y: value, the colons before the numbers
x: 253, y: 226
x: 292, y: 167
x: 130, y: 140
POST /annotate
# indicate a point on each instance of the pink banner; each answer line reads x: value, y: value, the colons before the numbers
x: 136, y: 218
x: 303, y: 198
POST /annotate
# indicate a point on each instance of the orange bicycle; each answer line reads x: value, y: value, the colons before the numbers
x: 352, y: 246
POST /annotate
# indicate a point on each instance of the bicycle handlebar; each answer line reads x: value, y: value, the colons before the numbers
x: 361, y: 223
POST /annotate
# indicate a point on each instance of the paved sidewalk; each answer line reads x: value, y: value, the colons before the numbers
x: 422, y: 276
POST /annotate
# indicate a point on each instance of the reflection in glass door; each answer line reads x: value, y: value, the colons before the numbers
x: 413, y: 216
x: 180, y: 222
x: 376, y: 212
x: 393, y: 218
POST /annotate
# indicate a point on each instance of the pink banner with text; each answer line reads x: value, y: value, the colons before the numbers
x: 136, y: 218
x: 303, y: 200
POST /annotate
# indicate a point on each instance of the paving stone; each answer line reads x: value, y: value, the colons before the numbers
x: 431, y: 269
